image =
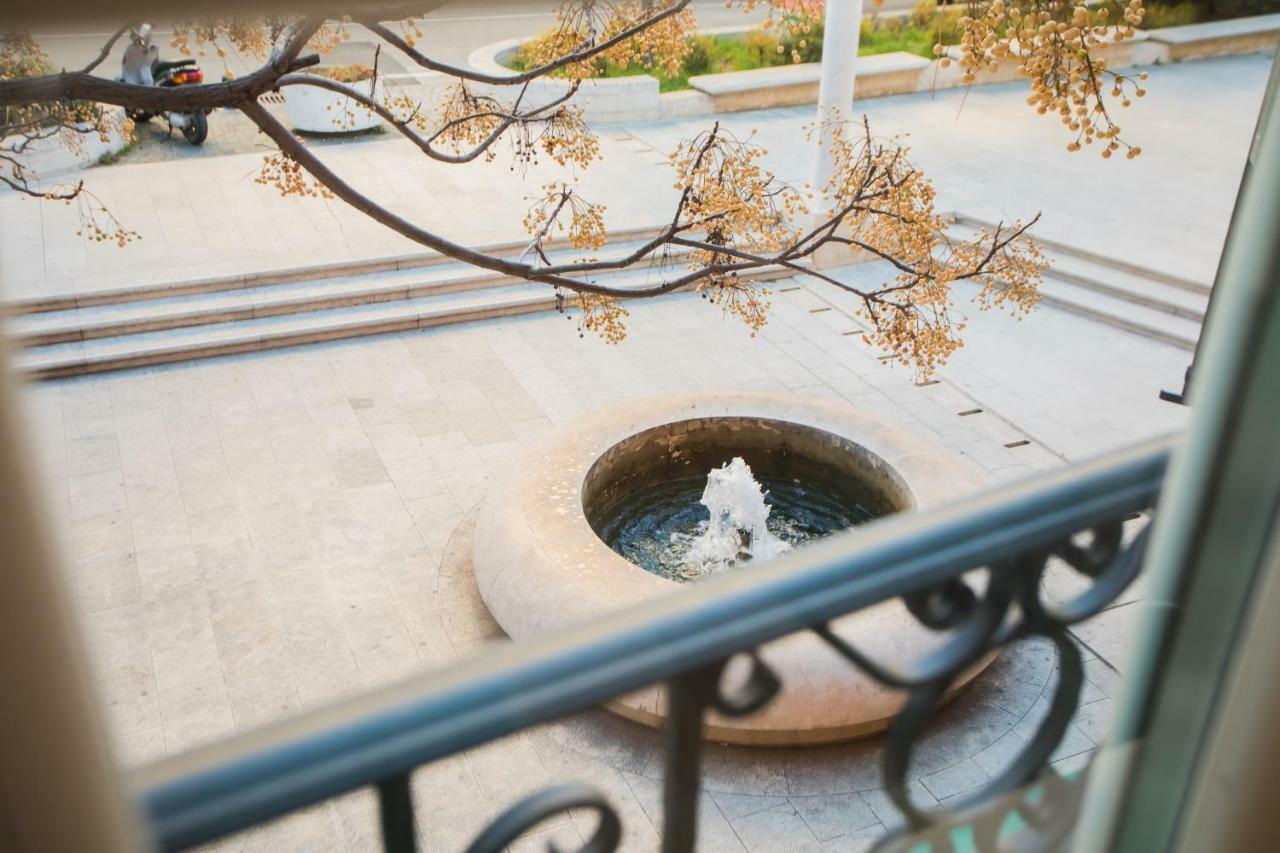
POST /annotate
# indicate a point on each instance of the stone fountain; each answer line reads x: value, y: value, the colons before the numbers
x: 631, y: 503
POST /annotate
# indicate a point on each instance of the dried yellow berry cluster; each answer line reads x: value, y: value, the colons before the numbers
x: 1056, y: 44
x: 287, y: 175
x: 583, y: 24
x: 886, y: 207
x: 585, y: 228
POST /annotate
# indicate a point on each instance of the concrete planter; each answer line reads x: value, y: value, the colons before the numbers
x: 313, y: 110
x: 613, y: 99
x: 48, y: 158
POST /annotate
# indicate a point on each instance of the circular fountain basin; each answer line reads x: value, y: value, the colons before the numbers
x: 643, y: 496
x: 541, y: 564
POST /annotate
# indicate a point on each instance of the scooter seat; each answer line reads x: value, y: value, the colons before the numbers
x: 159, y: 66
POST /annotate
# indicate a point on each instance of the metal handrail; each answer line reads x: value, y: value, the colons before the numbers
x: 213, y: 791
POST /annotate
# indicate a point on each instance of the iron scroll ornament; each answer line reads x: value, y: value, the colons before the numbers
x: 691, y: 694
x: 538, y: 807
x: 1009, y: 608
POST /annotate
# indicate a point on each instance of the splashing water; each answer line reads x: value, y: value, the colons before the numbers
x: 738, y: 528
x: 686, y: 528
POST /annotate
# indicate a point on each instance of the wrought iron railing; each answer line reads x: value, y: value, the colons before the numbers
x: 685, y: 641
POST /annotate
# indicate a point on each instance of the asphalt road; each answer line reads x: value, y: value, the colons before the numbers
x: 450, y: 34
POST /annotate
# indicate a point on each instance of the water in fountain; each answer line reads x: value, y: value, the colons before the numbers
x: 738, y: 529
x: 689, y: 527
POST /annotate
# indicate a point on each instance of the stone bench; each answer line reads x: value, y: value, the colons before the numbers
x: 1218, y: 38
x: 792, y: 85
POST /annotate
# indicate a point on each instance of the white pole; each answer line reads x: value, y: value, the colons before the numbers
x: 843, y: 25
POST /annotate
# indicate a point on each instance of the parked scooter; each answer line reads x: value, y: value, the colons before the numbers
x: 142, y: 65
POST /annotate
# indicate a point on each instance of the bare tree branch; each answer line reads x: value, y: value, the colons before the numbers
x: 731, y: 217
x: 586, y: 52
x: 81, y: 85
x: 106, y: 49
x: 293, y: 148
x: 402, y: 126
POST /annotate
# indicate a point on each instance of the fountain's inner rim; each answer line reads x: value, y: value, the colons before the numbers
x: 691, y: 499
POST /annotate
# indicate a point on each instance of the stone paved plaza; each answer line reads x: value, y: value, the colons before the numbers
x: 248, y: 537
x: 253, y: 536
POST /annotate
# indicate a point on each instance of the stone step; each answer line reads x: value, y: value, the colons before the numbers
x: 308, y: 272
x: 1124, y: 295
x: 169, y: 345
x: 1129, y: 287
x: 1057, y: 248
x: 176, y: 312
x: 1142, y: 320
x: 259, y: 333
x: 267, y: 300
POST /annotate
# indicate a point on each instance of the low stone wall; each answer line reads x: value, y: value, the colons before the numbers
x: 1130, y: 52
x: 790, y: 85
x: 1218, y: 38
x: 878, y: 75
x: 637, y: 98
